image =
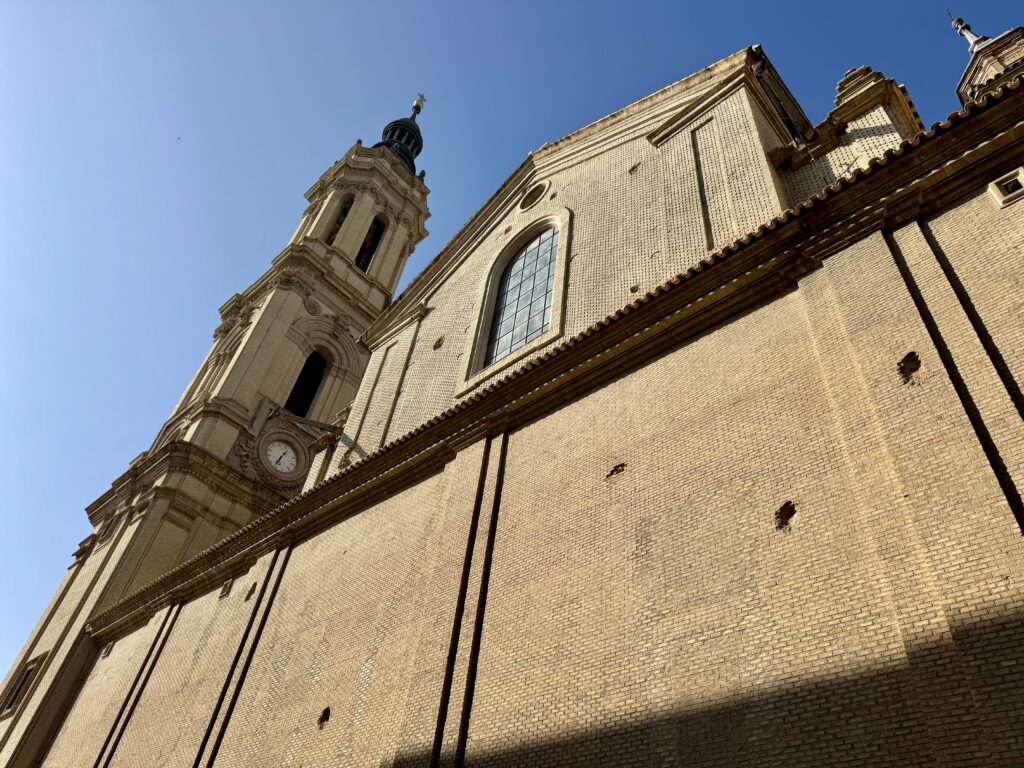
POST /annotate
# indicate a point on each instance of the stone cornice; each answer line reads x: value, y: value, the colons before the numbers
x: 924, y: 174
x: 178, y: 456
x: 381, y: 161
x: 302, y: 258
x: 379, y: 171
x: 285, y: 525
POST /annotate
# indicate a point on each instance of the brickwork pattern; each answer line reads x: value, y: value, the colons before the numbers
x: 339, y: 636
x: 89, y: 723
x: 864, y: 138
x: 187, y: 679
x: 637, y: 221
x: 661, y: 606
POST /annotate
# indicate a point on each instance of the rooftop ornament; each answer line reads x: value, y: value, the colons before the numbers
x: 964, y: 30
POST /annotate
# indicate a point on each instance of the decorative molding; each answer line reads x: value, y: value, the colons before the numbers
x: 136, y: 486
x: 341, y: 325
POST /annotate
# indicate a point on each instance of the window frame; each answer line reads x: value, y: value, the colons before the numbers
x: 16, y: 691
x: 998, y: 188
x: 483, y: 311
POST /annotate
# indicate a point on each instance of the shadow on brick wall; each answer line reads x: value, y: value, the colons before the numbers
x: 953, y: 704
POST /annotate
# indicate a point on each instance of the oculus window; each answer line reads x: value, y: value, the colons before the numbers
x: 522, y: 306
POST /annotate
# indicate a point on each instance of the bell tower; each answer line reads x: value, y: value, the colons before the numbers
x: 283, y: 365
x: 284, y: 362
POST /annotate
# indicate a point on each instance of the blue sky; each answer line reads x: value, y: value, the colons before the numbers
x: 153, y: 158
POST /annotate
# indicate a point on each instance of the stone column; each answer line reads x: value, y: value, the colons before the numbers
x: 356, y: 225
x: 328, y: 213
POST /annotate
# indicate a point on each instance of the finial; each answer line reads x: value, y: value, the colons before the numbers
x: 417, y: 105
x: 964, y: 30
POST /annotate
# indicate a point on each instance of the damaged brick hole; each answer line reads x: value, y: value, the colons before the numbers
x: 784, y: 514
x: 250, y: 593
x: 908, y: 366
x: 324, y: 717
x: 634, y: 288
x: 618, y: 469
x: 439, y: 343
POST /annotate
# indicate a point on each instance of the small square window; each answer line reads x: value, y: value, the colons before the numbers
x: 107, y: 649
x: 225, y: 589
x: 1009, y: 188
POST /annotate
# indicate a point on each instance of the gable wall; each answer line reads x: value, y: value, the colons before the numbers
x: 630, y: 233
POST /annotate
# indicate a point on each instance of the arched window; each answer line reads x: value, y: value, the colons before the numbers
x: 522, y: 305
x: 332, y: 233
x: 370, y: 243
x: 307, y: 385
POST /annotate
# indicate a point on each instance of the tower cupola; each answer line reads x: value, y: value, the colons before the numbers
x: 994, y: 62
x: 403, y: 137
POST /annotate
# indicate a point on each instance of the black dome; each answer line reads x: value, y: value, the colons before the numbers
x: 403, y: 137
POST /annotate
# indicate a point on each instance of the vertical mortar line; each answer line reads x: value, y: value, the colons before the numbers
x: 987, y: 342
x: 128, y: 695
x: 257, y: 603
x: 401, y: 382
x: 705, y: 210
x: 249, y: 657
x: 460, y: 607
x: 173, y: 614
x: 481, y: 606
x: 995, y: 460
x: 369, y: 400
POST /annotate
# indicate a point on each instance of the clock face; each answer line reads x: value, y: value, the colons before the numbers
x: 281, y: 457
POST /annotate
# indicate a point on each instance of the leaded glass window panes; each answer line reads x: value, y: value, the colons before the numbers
x: 522, y: 307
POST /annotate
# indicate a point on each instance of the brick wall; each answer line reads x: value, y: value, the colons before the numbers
x: 631, y: 595
x: 639, y: 217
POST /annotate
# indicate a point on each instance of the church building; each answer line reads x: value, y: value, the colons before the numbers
x: 700, y: 444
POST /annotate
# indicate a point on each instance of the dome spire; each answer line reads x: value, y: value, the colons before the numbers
x: 964, y: 30
x: 403, y: 137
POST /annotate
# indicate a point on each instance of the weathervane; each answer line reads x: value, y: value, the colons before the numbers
x: 417, y: 106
